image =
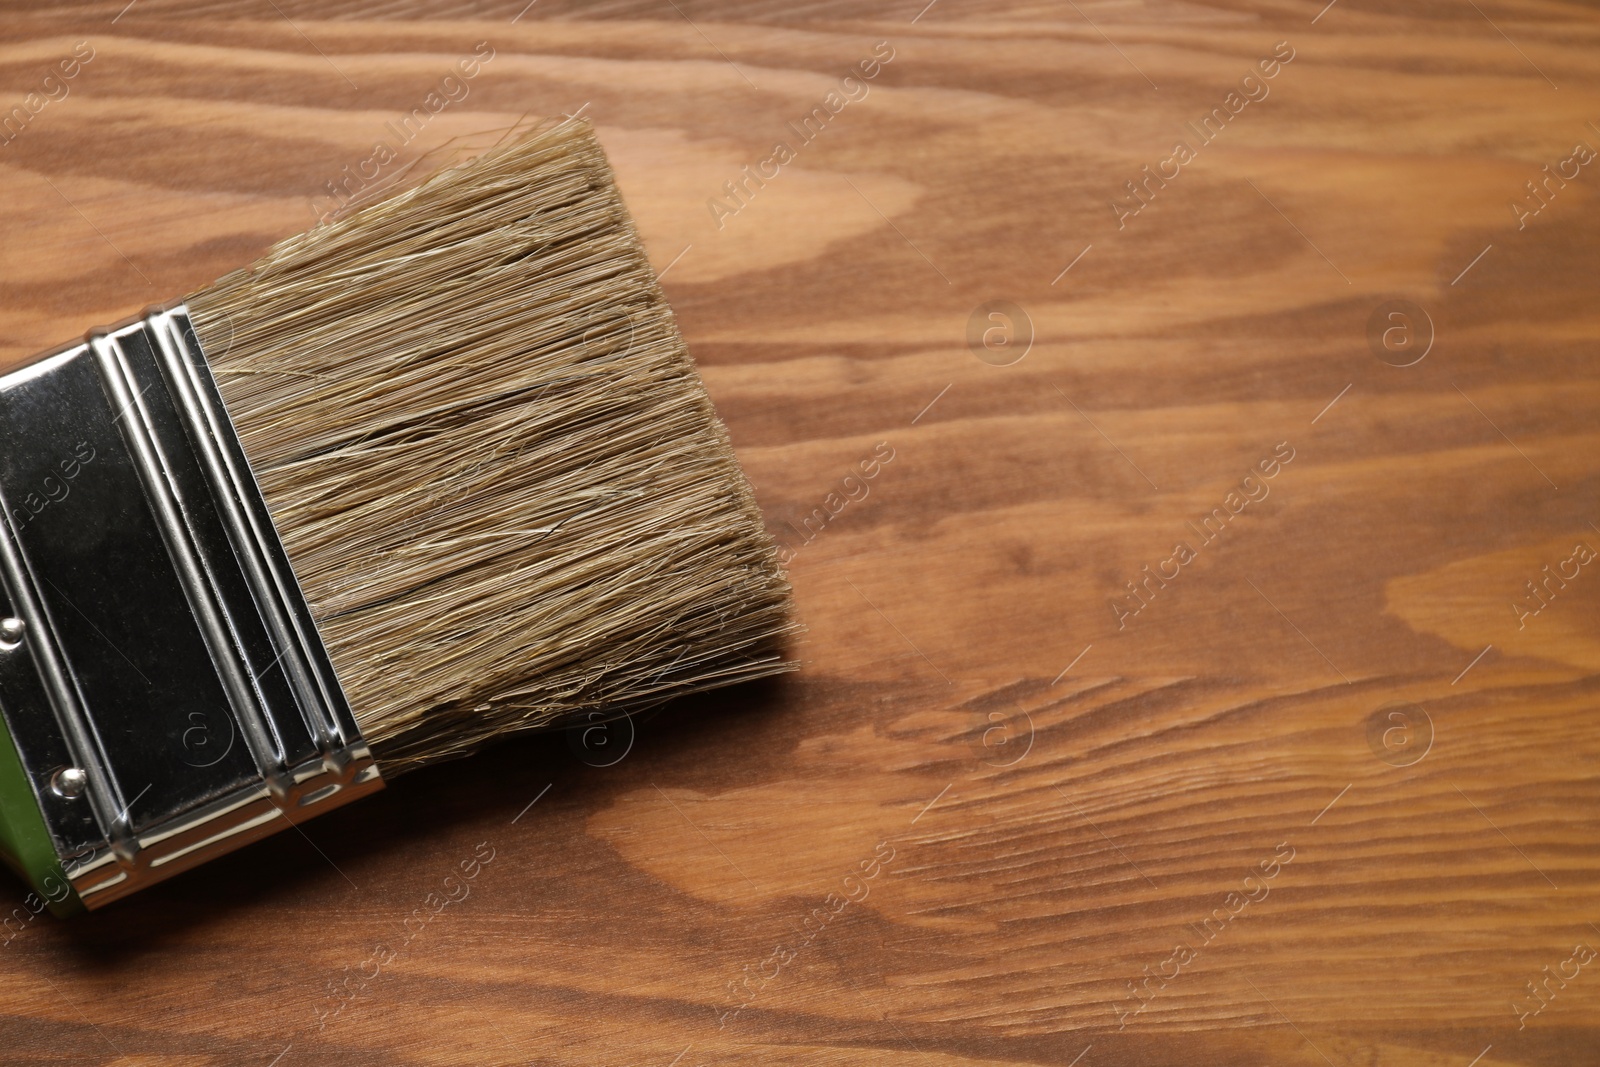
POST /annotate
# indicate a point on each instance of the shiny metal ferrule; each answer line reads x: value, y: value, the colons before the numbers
x: 161, y: 675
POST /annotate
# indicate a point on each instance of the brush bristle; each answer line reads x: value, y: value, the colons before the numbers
x: 492, y: 463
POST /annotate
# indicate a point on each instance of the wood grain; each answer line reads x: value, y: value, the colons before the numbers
x: 992, y: 805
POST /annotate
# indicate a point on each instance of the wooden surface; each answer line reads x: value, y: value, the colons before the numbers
x: 986, y: 819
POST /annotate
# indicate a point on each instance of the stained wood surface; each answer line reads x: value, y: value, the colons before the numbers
x: 1329, y: 796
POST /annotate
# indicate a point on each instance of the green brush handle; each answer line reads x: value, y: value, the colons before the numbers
x: 25, y: 844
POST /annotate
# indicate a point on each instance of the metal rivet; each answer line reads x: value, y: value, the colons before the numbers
x: 11, y: 631
x: 69, y: 782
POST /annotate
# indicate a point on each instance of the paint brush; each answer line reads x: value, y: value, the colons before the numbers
x: 436, y: 472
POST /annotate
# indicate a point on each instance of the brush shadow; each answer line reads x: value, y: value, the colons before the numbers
x: 744, y: 730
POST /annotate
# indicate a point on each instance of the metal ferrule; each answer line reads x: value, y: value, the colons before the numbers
x: 160, y: 673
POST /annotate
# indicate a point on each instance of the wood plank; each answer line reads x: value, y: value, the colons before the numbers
x: 996, y: 819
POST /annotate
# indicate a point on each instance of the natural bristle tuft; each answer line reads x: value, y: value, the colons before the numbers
x: 490, y: 458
